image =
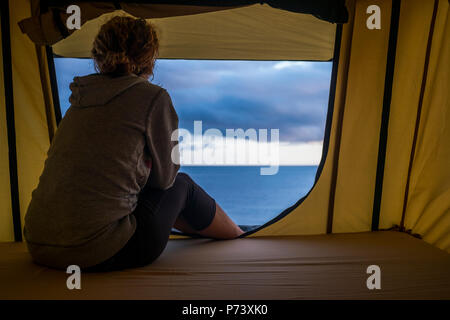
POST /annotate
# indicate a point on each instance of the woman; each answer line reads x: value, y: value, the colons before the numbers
x: 110, y: 193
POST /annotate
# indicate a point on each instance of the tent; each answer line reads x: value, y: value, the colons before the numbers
x: 382, y: 191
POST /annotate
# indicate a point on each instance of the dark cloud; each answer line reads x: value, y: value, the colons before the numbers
x: 292, y: 97
x: 288, y: 96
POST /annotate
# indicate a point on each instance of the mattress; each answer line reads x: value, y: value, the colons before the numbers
x: 290, y: 267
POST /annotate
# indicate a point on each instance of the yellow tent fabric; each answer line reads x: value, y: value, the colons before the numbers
x: 428, y: 209
x: 416, y: 177
x: 412, y: 44
x: 240, y: 33
x: 6, y: 230
x: 31, y: 127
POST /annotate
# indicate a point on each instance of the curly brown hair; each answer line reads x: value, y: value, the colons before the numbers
x: 125, y: 45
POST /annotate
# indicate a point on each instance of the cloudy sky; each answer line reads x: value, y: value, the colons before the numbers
x: 289, y: 96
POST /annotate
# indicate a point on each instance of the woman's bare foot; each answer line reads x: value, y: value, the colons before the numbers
x: 222, y: 227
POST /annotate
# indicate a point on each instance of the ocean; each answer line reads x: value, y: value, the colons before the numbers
x: 248, y: 197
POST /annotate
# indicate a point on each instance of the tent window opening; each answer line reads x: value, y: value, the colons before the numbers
x: 230, y: 114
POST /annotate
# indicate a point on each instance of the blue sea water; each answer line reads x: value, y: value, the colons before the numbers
x: 248, y: 197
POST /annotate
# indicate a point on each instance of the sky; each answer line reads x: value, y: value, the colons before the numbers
x: 290, y: 96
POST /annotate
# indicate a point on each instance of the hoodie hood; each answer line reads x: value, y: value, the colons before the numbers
x: 98, y: 89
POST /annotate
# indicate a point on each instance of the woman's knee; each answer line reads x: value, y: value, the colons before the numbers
x: 182, y: 176
x: 184, y: 182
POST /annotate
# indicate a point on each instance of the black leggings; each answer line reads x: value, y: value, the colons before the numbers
x: 155, y: 214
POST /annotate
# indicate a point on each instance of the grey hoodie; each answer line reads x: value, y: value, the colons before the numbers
x: 115, y: 137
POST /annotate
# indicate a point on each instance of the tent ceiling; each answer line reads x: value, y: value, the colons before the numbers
x: 256, y: 32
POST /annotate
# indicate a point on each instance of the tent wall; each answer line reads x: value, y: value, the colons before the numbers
x: 415, y: 19
x: 31, y: 126
x: 361, y: 122
x: 428, y: 204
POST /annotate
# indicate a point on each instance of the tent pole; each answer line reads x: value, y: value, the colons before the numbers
x: 388, y: 82
x: 10, y: 122
x: 45, y: 91
x: 331, y: 98
x: 53, y: 83
x: 331, y: 106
